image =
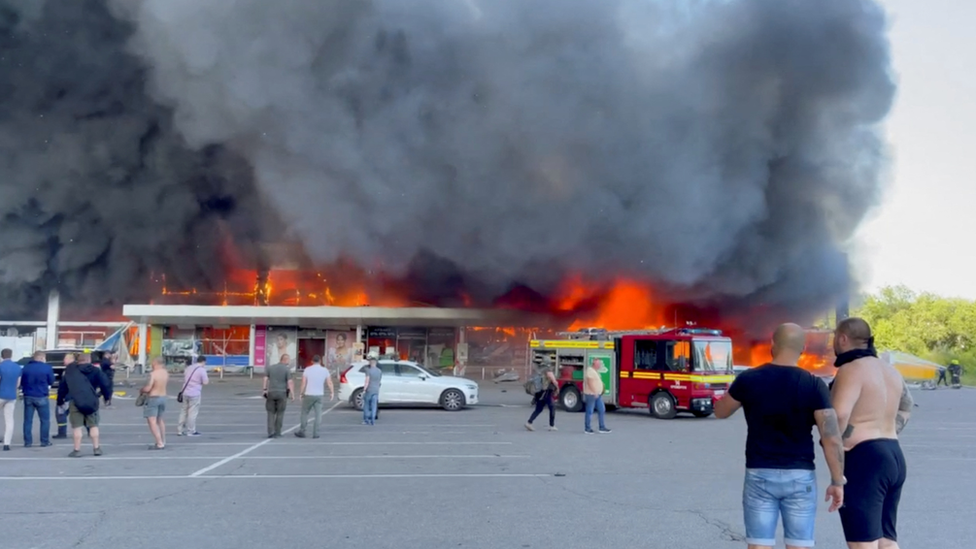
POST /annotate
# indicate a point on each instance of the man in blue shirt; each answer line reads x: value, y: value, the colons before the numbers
x: 36, y: 381
x: 9, y: 383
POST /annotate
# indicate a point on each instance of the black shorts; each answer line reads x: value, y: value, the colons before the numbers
x: 875, y: 471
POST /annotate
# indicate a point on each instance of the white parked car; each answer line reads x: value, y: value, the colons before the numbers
x: 407, y: 382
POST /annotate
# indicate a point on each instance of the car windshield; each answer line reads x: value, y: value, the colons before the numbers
x: 713, y: 356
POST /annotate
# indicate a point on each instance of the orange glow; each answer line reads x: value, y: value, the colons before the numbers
x: 818, y: 358
x: 626, y: 305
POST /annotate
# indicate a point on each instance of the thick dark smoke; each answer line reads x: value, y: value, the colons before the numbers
x: 725, y: 150
x: 97, y: 189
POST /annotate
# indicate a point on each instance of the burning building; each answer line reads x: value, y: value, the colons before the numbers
x: 624, y: 163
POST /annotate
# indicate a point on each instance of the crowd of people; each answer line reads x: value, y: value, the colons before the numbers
x: 859, y: 417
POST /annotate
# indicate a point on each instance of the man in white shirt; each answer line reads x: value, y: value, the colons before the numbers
x: 314, y: 380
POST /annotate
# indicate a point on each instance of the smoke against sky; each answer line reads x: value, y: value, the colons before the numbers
x: 97, y: 189
x: 723, y: 150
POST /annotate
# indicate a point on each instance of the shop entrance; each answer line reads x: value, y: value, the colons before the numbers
x: 308, y: 348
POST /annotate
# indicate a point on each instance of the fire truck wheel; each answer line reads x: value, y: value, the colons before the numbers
x: 570, y: 400
x: 662, y: 406
x: 357, y: 400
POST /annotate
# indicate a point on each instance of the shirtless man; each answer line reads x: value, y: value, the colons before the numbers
x: 873, y: 405
x: 155, y: 389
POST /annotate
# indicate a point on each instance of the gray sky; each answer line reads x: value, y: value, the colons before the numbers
x: 922, y: 235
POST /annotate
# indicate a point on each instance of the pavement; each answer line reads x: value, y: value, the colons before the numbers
x: 427, y: 478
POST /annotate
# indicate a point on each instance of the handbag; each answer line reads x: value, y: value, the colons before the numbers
x: 141, y: 400
x: 179, y: 396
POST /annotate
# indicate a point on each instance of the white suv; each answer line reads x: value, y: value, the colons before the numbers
x: 408, y: 383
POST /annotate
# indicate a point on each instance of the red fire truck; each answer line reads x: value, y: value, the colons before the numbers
x: 666, y: 371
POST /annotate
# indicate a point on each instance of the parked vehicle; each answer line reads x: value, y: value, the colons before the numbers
x: 54, y: 357
x: 406, y: 382
x: 665, y: 371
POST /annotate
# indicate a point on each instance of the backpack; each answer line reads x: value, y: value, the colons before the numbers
x: 81, y: 391
x: 534, y: 385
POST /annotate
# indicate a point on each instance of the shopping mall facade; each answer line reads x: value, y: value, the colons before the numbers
x: 257, y: 336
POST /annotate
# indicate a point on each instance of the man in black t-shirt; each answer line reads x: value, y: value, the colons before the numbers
x: 782, y: 403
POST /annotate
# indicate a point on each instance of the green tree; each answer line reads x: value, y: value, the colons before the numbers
x: 927, y: 325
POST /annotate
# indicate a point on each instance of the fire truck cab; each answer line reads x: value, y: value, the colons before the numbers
x: 666, y: 371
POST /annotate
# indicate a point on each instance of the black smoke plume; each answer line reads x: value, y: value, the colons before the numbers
x: 723, y: 150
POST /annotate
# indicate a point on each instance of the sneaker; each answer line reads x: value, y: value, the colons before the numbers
x: 299, y: 434
x: 588, y: 431
x: 28, y: 445
x: 553, y: 428
x: 97, y: 451
x: 45, y: 444
x: 604, y: 430
x: 6, y: 448
x: 75, y: 454
x: 180, y: 433
x: 194, y: 434
x: 315, y: 436
x: 529, y: 427
x: 60, y: 436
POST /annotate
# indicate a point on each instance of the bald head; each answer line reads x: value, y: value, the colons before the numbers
x: 852, y: 333
x: 790, y: 336
x: 789, y: 340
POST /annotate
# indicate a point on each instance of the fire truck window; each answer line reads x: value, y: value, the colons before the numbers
x: 713, y: 356
x: 645, y: 355
x: 680, y: 357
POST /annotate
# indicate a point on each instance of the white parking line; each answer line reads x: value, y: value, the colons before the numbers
x: 252, y: 448
x: 245, y: 458
x: 305, y: 442
x: 258, y: 477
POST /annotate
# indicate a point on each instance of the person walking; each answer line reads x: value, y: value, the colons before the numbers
x: 36, y: 380
x: 61, y: 411
x: 107, y: 365
x: 9, y: 384
x: 79, y: 389
x: 314, y: 380
x: 782, y: 403
x: 371, y: 391
x: 152, y: 411
x: 544, y: 397
x: 873, y: 405
x: 278, y: 387
x: 593, y: 397
x: 193, y: 381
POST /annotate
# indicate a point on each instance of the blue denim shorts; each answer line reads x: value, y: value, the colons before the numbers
x: 771, y: 493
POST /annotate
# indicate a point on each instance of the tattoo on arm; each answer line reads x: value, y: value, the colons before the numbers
x: 901, y: 420
x: 906, y: 400
x: 830, y: 431
x: 848, y: 432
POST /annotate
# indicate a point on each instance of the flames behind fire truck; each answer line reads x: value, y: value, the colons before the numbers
x: 666, y: 371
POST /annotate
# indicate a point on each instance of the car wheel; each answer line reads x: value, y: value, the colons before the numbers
x: 570, y: 399
x: 452, y: 400
x: 357, y: 399
x: 662, y: 406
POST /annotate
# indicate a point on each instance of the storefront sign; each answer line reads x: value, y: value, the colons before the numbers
x: 260, y: 345
x: 411, y: 333
x: 381, y: 333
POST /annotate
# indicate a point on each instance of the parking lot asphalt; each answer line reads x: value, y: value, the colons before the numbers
x: 427, y: 478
